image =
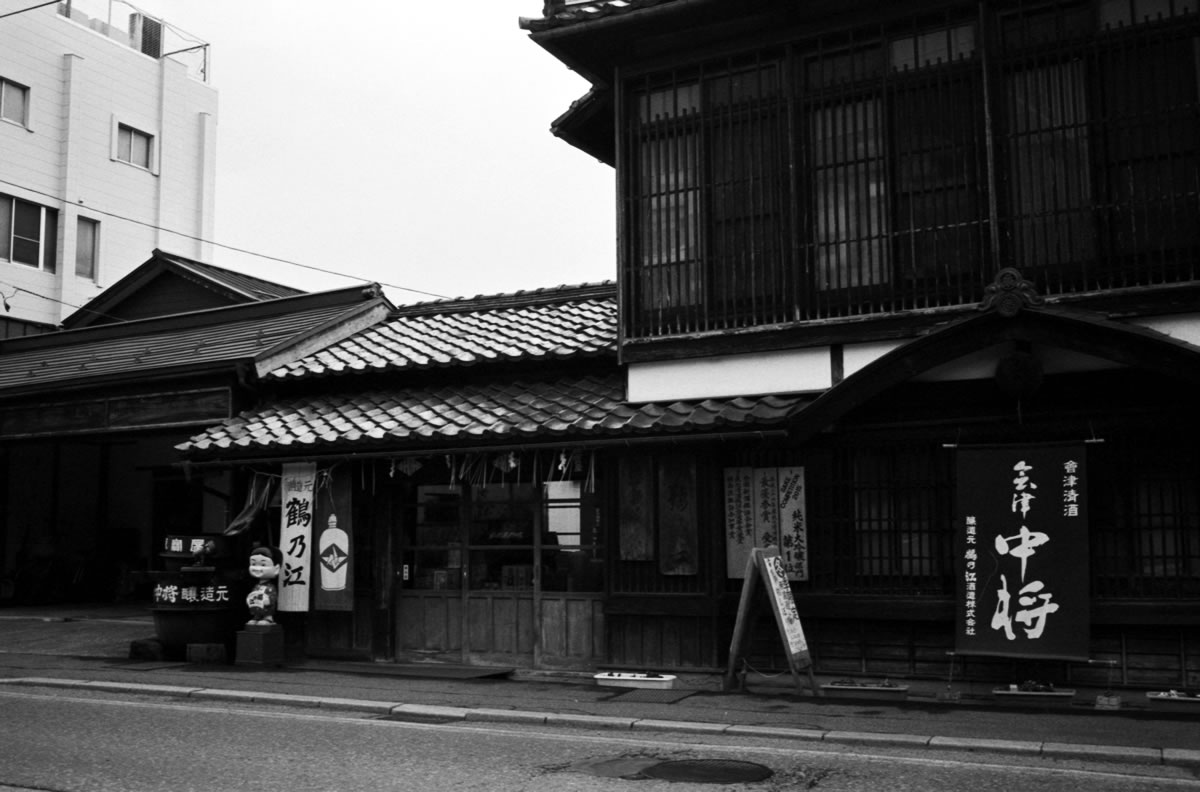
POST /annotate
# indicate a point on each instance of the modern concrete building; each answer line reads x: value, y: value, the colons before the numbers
x: 108, y: 134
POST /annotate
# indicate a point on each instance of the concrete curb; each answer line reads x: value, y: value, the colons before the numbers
x: 690, y: 727
x: 990, y: 746
x: 1108, y: 753
x: 417, y: 712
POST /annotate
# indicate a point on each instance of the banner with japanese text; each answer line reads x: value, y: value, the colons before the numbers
x: 1022, y: 551
x: 295, y: 534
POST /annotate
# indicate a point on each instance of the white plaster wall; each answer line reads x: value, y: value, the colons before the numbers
x: 1184, y: 327
x: 858, y: 356
x: 81, y: 84
x: 787, y: 371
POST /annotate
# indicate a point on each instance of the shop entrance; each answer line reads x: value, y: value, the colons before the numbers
x: 508, y: 573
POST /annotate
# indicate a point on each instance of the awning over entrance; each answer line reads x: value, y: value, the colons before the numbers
x: 1063, y: 328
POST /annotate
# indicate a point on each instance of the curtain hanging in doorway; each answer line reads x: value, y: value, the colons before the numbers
x: 261, y: 487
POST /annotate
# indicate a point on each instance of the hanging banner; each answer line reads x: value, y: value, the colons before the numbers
x: 766, y: 507
x: 635, y: 515
x: 1022, y: 551
x: 678, y: 535
x: 295, y: 535
x: 334, y: 565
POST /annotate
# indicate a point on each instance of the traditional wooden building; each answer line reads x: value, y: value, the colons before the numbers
x: 89, y: 418
x: 475, y: 452
x: 959, y: 225
x: 909, y: 291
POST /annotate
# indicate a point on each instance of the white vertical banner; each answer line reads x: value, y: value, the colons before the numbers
x: 766, y: 506
x: 793, y: 523
x: 739, y: 519
x: 295, y: 535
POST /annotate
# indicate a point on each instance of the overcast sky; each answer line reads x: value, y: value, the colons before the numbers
x: 402, y: 142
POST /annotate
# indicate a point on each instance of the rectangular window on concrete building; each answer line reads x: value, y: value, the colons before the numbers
x: 14, y: 102
x: 134, y: 146
x: 87, y: 238
x: 28, y: 233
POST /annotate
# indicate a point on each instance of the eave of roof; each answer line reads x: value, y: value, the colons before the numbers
x: 587, y: 125
x: 581, y: 13
x: 579, y: 410
x: 75, y: 359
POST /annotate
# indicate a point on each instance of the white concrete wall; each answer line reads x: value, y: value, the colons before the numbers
x: 81, y: 84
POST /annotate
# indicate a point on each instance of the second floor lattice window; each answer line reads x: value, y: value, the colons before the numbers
x: 712, y: 164
x: 897, y: 168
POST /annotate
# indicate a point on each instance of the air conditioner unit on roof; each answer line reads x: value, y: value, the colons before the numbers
x: 146, y: 34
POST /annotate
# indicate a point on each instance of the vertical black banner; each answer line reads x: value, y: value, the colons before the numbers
x: 1022, y: 551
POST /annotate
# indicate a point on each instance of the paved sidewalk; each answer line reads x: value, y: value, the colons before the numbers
x: 82, y: 650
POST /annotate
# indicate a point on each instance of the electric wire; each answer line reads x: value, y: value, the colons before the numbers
x: 231, y: 247
x: 17, y: 289
x: 28, y: 8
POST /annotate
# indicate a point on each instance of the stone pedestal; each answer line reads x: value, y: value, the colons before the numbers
x: 207, y: 653
x: 260, y: 644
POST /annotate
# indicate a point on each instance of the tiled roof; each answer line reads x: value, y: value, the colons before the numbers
x: 560, y: 13
x: 576, y: 408
x: 553, y: 324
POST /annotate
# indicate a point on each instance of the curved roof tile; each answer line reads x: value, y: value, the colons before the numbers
x: 587, y: 407
x: 565, y: 323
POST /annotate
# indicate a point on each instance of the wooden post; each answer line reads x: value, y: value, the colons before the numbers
x: 742, y: 624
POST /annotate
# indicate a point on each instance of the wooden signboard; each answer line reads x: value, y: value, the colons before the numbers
x: 678, y: 542
x: 636, y: 515
x: 767, y: 564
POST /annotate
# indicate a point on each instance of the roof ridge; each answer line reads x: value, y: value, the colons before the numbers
x: 518, y: 299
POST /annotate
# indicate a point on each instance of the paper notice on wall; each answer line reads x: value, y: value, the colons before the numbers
x: 766, y: 507
x: 739, y: 519
x: 793, y: 523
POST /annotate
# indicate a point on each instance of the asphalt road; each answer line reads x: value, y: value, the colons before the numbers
x: 63, y: 741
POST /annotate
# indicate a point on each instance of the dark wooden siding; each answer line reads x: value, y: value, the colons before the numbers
x: 899, y: 166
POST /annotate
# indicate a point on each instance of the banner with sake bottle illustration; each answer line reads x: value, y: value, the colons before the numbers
x: 334, y: 561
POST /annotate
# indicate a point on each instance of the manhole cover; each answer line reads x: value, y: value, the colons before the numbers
x: 708, y: 771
